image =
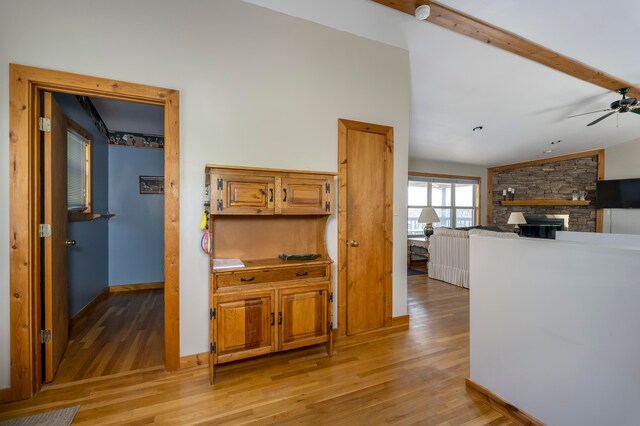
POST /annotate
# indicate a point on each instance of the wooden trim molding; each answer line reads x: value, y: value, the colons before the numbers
x: 401, y: 322
x: 491, y: 170
x: 500, y: 405
x: 135, y: 287
x: 89, y: 307
x: 25, y: 85
x: 343, y: 127
x: 439, y: 175
x: 484, y: 32
x: 195, y: 360
x: 5, y: 395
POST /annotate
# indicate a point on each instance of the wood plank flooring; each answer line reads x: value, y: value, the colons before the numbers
x: 122, y: 333
x: 412, y: 377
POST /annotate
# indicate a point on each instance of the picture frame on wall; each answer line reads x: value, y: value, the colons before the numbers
x: 151, y: 185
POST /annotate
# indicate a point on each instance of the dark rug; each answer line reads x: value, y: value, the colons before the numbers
x: 62, y: 417
x: 411, y: 272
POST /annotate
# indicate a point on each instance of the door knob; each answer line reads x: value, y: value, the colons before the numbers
x: 354, y: 243
x: 70, y: 242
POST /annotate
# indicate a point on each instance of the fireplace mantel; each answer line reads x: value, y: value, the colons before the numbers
x: 544, y: 202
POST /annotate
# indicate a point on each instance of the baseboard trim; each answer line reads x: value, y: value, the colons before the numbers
x: 89, y: 307
x: 401, y: 322
x: 500, y: 405
x: 5, y: 395
x: 135, y: 287
x: 195, y: 360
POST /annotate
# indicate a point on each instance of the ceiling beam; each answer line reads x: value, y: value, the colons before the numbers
x: 462, y: 23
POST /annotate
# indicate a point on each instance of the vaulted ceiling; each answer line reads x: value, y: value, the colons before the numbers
x: 458, y: 83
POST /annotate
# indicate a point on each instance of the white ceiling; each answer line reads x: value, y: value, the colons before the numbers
x: 458, y: 83
x: 130, y: 116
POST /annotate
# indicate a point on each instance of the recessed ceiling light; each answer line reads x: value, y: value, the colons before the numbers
x: 548, y: 151
x: 422, y: 12
x: 477, y: 128
x: 556, y: 142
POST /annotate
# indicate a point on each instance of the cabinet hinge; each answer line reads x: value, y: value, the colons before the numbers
x: 212, y: 348
x: 44, y: 230
x: 327, y: 206
x: 219, y: 205
x: 45, y: 336
x: 212, y: 313
x: 331, y: 297
x: 327, y: 187
x: 44, y: 124
x: 219, y: 183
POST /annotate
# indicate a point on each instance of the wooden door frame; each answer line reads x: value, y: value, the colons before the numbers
x: 25, y: 84
x: 343, y: 127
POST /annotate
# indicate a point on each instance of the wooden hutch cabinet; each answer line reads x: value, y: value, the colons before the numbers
x: 270, y: 304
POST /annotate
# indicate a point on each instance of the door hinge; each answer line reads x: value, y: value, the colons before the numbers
x: 45, y: 336
x: 331, y: 297
x: 330, y: 326
x: 212, y: 313
x: 219, y: 183
x: 327, y: 206
x: 44, y: 124
x: 219, y: 205
x: 327, y: 187
x: 212, y: 348
x: 44, y: 230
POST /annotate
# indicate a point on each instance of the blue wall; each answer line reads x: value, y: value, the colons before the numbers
x: 89, y: 259
x: 136, y: 232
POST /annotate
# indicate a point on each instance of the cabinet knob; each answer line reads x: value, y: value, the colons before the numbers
x: 354, y: 243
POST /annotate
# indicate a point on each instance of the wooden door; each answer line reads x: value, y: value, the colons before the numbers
x: 365, y: 231
x: 56, y: 299
x: 244, y: 325
x: 306, y: 196
x: 242, y: 194
x: 303, y: 316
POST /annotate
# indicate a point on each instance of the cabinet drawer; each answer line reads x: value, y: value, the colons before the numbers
x: 267, y: 276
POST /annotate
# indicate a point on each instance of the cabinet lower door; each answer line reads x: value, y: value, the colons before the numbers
x: 244, y: 325
x: 304, y: 316
x: 306, y: 196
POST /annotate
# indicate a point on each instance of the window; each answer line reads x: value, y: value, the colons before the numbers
x: 78, y: 168
x: 455, y: 200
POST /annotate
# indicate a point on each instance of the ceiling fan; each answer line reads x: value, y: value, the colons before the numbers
x: 623, y: 105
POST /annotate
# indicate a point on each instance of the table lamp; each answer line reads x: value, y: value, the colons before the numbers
x: 516, y: 218
x: 428, y: 216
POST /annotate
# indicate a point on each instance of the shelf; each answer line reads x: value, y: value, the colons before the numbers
x: 545, y: 202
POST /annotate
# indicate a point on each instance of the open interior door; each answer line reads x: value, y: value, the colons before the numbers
x: 56, y: 299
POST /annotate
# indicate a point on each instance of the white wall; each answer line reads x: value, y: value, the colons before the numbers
x: 553, y: 328
x: 257, y: 88
x: 459, y: 169
x: 622, y: 162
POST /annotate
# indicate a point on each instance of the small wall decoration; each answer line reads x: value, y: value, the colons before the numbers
x: 138, y: 140
x: 152, y: 184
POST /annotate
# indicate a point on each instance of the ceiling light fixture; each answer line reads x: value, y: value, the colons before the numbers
x: 556, y: 142
x: 477, y: 128
x: 548, y: 151
x: 422, y: 12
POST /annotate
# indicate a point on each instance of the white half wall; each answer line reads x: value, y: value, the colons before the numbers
x: 622, y: 162
x: 257, y: 88
x: 554, y: 327
x: 612, y: 240
x: 457, y: 169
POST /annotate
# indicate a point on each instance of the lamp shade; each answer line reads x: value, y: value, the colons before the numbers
x: 428, y: 215
x: 516, y: 218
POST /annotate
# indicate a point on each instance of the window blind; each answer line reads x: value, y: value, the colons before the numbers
x: 76, y: 171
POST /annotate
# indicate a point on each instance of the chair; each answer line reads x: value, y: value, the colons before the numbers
x: 418, y: 254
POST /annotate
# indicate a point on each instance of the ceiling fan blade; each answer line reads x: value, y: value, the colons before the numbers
x: 601, y: 118
x: 592, y: 112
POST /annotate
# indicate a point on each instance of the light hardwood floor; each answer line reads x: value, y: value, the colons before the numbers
x: 416, y: 376
x: 122, y: 333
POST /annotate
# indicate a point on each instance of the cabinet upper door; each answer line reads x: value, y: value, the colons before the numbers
x: 307, y: 196
x: 304, y: 316
x: 242, y: 194
x: 243, y: 325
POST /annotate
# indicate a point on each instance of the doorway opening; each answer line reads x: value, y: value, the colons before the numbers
x: 27, y: 189
x: 102, y: 285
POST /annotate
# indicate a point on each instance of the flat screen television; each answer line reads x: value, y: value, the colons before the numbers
x: 618, y: 194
